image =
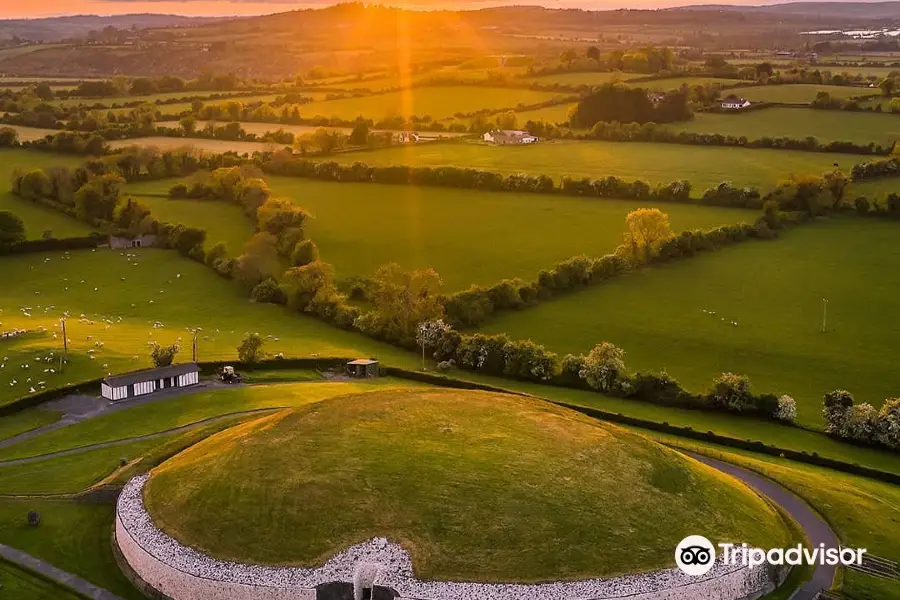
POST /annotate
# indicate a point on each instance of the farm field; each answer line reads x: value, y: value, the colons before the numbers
x: 874, y: 189
x: 396, y: 80
x: 148, y: 99
x: 703, y: 166
x: 583, y: 78
x: 558, y: 113
x: 222, y: 221
x: 799, y: 123
x: 656, y: 318
x: 30, y: 134
x: 37, y: 218
x: 137, y: 292
x: 436, y: 102
x: 261, y: 129
x: 207, y: 145
x: 799, y: 93
x: 421, y: 227
x: 676, y: 82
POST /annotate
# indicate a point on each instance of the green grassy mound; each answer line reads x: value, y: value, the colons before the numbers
x: 476, y: 486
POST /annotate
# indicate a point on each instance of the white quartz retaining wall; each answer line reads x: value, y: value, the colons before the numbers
x: 185, y: 574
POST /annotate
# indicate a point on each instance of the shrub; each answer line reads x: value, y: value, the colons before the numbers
x: 787, y: 409
x: 604, y: 367
x: 267, y: 291
x: 445, y: 366
x: 305, y: 252
x: 731, y: 392
x: 529, y: 361
x: 34, y: 518
x: 162, y: 356
x: 838, y: 405
x: 251, y: 349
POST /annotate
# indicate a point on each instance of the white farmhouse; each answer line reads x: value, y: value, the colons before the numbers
x: 507, y: 136
x: 733, y: 102
x: 148, y: 381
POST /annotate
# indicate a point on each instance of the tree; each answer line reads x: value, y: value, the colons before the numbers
x: 162, y: 356
x: 306, y: 284
x: 732, y: 392
x: 429, y: 334
x: 764, y: 69
x: 648, y: 228
x: 12, y: 229
x: 568, y: 56
x: 305, y: 252
x: 889, y: 423
x: 837, y: 411
x: 593, y: 52
x: 8, y: 137
x: 258, y: 261
x: 402, y: 300
x: 836, y: 182
x: 507, y: 120
x: 888, y: 85
x: 604, y: 367
x: 43, y: 91
x: 327, y: 141
x: 251, y: 349
x: 787, y: 409
x: 360, y: 134
x: 188, y: 124
x: 97, y: 199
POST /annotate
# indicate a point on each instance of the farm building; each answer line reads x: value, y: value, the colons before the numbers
x: 141, y: 241
x: 408, y: 137
x: 733, y: 102
x: 140, y: 383
x: 506, y: 136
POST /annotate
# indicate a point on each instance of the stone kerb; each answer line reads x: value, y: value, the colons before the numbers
x: 185, y: 574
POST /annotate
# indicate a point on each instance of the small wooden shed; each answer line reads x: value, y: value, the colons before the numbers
x: 362, y: 367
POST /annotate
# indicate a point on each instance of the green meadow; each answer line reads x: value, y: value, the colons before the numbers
x: 800, y: 93
x: 663, y: 316
x: 703, y: 166
x: 586, y: 78
x: 454, y: 231
x: 799, y: 123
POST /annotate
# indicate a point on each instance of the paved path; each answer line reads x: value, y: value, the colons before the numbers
x: 61, y: 577
x: 148, y: 436
x: 817, y: 530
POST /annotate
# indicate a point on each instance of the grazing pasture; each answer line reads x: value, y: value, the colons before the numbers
x: 676, y: 82
x: 206, y: 145
x: 38, y: 219
x: 436, y: 102
x: 800, y: 93
x: 131, y: 298
x: 799, y: 123
x: 588, y: 78
x: 457, y: 231
x: 703, y: 166
x: 663, y: 316
x: 558, y: 113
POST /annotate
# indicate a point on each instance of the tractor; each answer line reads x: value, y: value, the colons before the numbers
x: 228, y: 375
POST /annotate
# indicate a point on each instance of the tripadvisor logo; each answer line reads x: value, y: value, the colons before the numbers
x: 696, y: 555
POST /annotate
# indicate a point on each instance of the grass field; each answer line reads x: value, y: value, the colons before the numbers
x: 703, y: 166
x: 773, y: 290
x: 214, y: 146
x: 37, y: 218
x: 30, y: 134
x: 676, y: 82
x: 222, y: 221
x: 437, y: 102
x: 26, y: 420
x: 583, y: 78
x: 857, y: 127
x: 798, y: 93
x: 558, y: 113
x: 19, y: 584
x: 864, y: 513
x: 142, y: 291
x: 261, y: 129
x: 157, y: 417
x: 72, y: 536
x: 456, y: 231
x: 875, y: 189
x: 517, y: 489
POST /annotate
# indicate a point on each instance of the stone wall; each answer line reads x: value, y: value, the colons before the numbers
x: 185, y: 574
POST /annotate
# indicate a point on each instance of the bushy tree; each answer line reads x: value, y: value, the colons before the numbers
x: 251, y: 349
x: 529, y: 361
x: 304, y: 284
x: 787, y: 409
x: 604, y: 367
x: 402, y: 300
x: 838, y: 406
x: 648, y: 228
x: 267, y: 291
x: 12, y: 229
x: 732, y: 392
x: 889, y: 423
x: 162, y: 356
x: 258, y: 261
x: 8, y: 137
x: 305, y: 252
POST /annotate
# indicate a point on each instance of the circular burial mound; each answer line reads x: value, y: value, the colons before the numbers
x: 475, y: 486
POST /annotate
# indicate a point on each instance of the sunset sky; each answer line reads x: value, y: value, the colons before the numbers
x: 45, y: 8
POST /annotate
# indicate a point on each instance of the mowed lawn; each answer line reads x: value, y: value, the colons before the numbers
x: 469, y: 237
x: 800, y: 93
x: 436, y: 102
x: 774, y: 291
x: 703, y: 166
x: 37, y: 218
x: 799, y: 123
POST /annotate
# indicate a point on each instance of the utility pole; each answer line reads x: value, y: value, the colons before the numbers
x: 195, y: 349
x: 824, y: 313
x: 65, y: 356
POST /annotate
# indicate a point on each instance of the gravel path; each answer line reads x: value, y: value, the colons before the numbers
x: 64, y: 578
x: 817, y: 530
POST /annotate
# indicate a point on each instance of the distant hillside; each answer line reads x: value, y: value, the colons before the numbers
x: 856, y: 11
x: 59, y: 28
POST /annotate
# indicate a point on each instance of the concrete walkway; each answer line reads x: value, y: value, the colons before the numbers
x: 61, y: 577
x: 817, y: 530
